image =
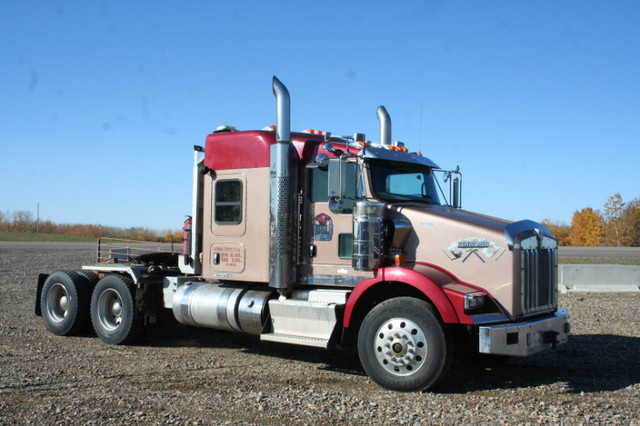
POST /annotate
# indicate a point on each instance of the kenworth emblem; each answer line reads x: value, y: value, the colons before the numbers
x: 481, y: 248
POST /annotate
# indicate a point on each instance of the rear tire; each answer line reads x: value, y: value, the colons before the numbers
x: 65, y: 303
x: 114, y: 315
x: 403, y: 346
x: 91, y: 276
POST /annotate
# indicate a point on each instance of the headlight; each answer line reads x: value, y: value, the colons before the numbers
x: 473, y: 301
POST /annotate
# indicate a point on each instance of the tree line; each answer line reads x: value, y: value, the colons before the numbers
x: 617, y: 225
x: 23, y: 221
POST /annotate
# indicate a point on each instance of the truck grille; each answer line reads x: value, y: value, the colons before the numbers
x: 538, y: 280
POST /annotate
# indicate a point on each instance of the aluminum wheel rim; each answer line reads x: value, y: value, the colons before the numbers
x: 110, y: 309
x: 400, y: 346
x: 57, y: 302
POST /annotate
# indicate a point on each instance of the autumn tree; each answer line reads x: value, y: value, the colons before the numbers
x: 4, y: 222
x: 560, y: 231
x: 630, y: 223
x: 587, y: 228
x: 23, y: 221
x: 613, y: 231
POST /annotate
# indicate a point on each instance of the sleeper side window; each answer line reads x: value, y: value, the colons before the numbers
x: 228, y: 202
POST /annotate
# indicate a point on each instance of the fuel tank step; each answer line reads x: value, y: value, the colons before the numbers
x: 307, y: 318
x: 295, y: 340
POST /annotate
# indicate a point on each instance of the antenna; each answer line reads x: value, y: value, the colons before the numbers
x: 420, y: 136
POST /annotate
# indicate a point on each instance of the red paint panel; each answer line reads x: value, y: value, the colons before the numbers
x: 251, y: 149
x: 407, y: 276
x: 238, y: 150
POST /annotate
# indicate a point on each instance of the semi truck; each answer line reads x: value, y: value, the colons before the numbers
x: 313, y: 239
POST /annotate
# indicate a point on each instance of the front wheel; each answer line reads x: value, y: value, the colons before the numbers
x: 403, y: 346
x: 113, y: 311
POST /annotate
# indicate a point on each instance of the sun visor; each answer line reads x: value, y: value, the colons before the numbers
x: 388, y: 153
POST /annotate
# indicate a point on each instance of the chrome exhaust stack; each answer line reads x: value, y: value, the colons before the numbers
x: 283, y: 184
x: 385, y: 125
x: 283, y: 111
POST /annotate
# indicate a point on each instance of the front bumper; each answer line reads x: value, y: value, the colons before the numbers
x: 525, y: 338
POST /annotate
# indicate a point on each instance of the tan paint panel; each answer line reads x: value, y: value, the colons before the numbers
x: 231, y: 257
x: 252, y: 234
x: 444, y: 237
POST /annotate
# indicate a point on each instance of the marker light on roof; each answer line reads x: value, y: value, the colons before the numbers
x: 314, y: 132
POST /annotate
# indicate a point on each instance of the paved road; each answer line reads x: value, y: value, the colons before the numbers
x: 45, y: 245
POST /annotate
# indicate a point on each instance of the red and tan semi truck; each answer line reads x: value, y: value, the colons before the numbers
x: 312, y: 239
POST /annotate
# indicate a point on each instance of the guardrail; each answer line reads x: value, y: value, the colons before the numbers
x: 598, y: 278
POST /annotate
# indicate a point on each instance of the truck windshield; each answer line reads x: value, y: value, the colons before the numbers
x: 395, y: 181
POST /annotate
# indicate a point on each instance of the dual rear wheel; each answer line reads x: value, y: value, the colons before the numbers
x: 73, y: 301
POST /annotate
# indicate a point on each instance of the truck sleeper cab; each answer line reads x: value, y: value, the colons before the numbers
x: 317, y: 240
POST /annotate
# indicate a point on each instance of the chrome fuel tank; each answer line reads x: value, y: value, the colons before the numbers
x: 221, y: 306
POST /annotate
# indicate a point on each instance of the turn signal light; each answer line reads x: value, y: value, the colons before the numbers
x: 399, y: 259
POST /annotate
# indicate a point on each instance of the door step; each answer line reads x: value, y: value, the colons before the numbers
x: 295, y: 340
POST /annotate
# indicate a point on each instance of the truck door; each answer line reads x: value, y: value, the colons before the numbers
x: 329, y: 230
x: 237, y: 228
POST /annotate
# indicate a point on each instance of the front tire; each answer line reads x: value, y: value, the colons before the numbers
x: 113, y: 311
x: 403, y: 346
x: 65, y: 303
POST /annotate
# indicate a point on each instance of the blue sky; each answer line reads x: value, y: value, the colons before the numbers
x: 102, y: 102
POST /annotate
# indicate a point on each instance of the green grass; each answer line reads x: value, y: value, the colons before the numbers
x: 29, y: 236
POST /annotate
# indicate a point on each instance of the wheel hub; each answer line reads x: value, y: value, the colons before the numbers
x: 400, y: 346
x: 57, y: 303
x: 110, y: 309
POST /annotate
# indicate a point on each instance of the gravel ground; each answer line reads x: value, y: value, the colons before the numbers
x: 186, y: 376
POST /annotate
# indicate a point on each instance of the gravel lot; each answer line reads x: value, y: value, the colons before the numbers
x: 186, y: 376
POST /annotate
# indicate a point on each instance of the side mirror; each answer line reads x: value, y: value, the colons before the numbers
x: 457, y: 193
x: 337, y: 178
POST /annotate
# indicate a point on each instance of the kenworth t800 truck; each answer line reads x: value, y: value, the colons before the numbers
x: 312, y: 239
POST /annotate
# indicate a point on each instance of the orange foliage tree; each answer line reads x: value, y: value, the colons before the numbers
x: 23, y: 221
x: 560, y: 231
x: 587, y: 228
x: 630, y: 223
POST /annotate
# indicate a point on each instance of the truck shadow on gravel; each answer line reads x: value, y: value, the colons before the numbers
x: 587, y: 363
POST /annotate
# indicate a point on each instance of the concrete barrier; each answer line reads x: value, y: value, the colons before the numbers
x: 598, y: 278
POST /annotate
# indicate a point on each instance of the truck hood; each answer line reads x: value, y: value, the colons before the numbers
x: 473, y: 247
x: 445, y: 225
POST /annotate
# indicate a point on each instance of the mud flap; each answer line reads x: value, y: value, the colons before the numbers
x: 41, y: 279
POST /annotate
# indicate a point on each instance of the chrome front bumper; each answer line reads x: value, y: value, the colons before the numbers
x: 525, y: 338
